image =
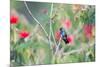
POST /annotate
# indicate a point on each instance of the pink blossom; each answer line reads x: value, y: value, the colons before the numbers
x: 87, y: 28
x: 57, y: 35
x: 67, y: 24
x: 70, y: 38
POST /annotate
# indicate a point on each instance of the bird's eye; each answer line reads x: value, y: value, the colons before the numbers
x: 61, y: 29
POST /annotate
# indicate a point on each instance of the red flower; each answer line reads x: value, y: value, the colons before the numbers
x: 13, y: 19
x: 57, y: 35
x: 70, y: 38
x: 67, y: 24
x: 23, y: 34
x: 87, y: 28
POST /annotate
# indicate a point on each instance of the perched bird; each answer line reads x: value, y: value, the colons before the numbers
x: 64, y: 35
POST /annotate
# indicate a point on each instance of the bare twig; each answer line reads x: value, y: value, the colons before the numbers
x: 51, y: 10
x: 57, y: 47
x: 35, y: 18
x: 78, y: 50
x: 51, y: 30
x: 53, y: 37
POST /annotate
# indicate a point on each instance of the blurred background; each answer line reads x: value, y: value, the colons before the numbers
x: 35, y: 36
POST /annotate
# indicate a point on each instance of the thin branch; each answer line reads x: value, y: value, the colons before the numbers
x: 78, y: 50
x: 74, y: 51
x: 50, y: 24
x: 35, y: 18
x: 53, y: 36
x: 51, y: 10
x: 51, y: 30
x: 57, y: 47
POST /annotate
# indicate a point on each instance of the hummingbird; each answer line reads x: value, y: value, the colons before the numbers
x: 64, y: 35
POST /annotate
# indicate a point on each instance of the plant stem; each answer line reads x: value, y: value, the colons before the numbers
x: 51, y: 30
x: 57, y: 47
x: 50, y: 22
x: 79, y: 49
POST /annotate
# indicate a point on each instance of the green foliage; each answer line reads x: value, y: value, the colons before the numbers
x: 88, y: 15
x: 39, y: 49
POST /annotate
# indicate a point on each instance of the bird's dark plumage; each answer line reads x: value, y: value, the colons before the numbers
x: 63, y: 35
